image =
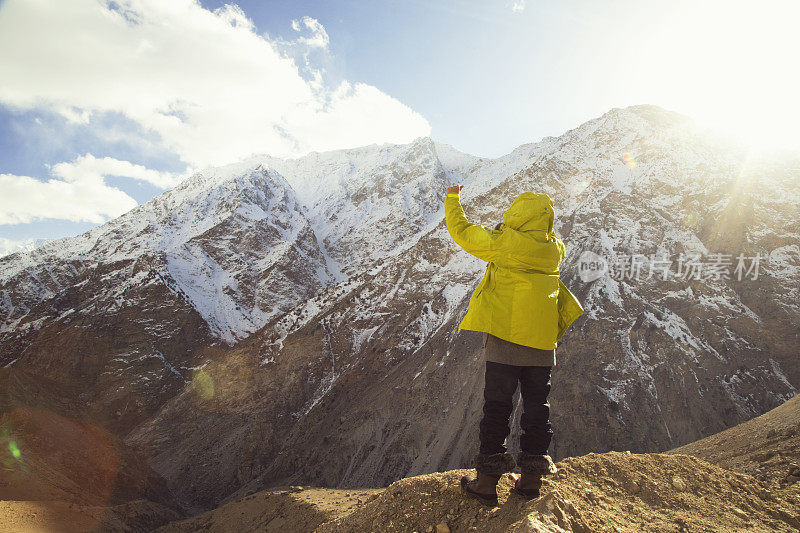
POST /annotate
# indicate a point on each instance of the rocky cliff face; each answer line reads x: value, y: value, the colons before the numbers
x: 283, y: 321
x: 111, y: 323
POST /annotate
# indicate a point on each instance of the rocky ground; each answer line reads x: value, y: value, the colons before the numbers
x: 614, y: 491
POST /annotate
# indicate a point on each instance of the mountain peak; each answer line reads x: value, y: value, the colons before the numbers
x: 656, y: 115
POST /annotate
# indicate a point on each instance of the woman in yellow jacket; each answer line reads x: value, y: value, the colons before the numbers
x: 523, y: 309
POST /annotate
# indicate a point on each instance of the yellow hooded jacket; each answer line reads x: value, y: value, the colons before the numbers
x: 520, y: 298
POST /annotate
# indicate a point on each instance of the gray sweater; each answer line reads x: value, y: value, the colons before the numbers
x: 502, y: 351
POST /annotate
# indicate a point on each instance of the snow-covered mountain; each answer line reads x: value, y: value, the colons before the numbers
x: 294, y: 320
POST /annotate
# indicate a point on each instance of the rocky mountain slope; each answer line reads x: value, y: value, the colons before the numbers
x: 765, y: 447
x: 279, y: 322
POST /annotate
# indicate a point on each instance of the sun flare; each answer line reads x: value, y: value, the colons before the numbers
x: 737, y: 69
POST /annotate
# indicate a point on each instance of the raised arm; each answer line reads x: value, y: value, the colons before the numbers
x: 476, y: 239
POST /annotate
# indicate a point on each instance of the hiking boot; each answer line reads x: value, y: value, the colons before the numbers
x: 490, y: 467
x: 533, y: 467
x: 528, y: 486
x: 483, y: 488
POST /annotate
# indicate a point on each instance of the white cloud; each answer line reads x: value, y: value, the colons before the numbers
x: 8, y: 246
x: 319, y: 37
x: 518, y: 6
x: 78, y: 192
x: 215, y: 90
x: 233, y: 15
x: 90, y: 166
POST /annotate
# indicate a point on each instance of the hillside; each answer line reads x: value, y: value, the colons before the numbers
x: 766, y: 447
x: 49, y: 457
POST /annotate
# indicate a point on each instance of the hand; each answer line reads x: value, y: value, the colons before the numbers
x: 454, y: 188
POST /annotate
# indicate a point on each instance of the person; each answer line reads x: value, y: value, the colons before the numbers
x: 523, y: 309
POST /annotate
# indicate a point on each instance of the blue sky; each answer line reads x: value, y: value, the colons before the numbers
x: 104, y: 104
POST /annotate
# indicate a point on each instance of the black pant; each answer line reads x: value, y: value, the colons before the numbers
x: 498, y: 395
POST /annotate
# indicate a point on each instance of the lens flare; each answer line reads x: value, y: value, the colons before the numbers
x: 14, y: 449
x: 203, y: 384
x: 57, y: 448
x: 690, y: 220
x: 629, y: 160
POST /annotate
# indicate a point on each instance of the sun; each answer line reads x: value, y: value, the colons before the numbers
x: 732, y: 66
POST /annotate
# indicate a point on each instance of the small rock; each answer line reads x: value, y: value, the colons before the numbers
x: 442, y: 528
x: 738, y: 512
x: 777, y: 458
x: 679, y: 484
x: 546, y: 504
x: 631, y: 486
x: 764, y: 456
x: 626, y: 452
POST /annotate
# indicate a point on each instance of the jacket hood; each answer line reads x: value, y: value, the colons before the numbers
x: 533, y: 244
x: 530, y: 211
